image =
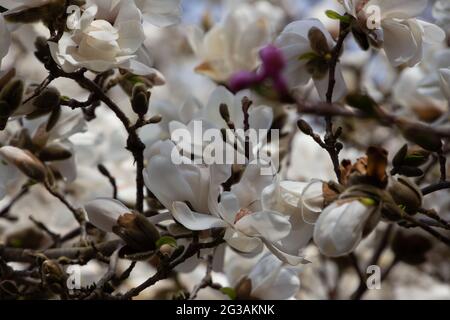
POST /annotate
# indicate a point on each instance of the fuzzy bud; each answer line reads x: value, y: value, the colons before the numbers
x: 140, y: 99
x: 406, y: 193
x: 167, y: 249
x: 54, y: 153
x: 25, y: 161
x: 224, y: 112
x: 305, y: 127
x: 12, y: 94
x: 49, y: 99
x: 155, y: 119
x: 139, y: 233
x: 421, y: 135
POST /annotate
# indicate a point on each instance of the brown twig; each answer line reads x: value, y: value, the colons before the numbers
x: 166, y: 267
x: 104, y: 171
x: 73, y: 253
x: 4, y: 213
x: 436, y: 187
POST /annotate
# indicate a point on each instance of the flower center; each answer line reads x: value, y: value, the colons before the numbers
x: 242, y: 213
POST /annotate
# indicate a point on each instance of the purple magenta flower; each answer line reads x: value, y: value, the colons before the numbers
x: 243, y: 80
x: 273, y: 61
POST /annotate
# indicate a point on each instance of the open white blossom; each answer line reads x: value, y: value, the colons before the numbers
x: 233, y: 44
x: 418, y: 89
x: 110, y: 35
x: 301, y: 202
x: 399, y: 32
x: 341, y: 226
x: 296, y: 43
x: 195, y: 184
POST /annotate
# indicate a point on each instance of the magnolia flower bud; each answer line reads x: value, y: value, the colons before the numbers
x: 406, y: 193
x: 25, y: 161
x: 54, y: 153
x: 53, y: 276
x: 155, y: 119
x: 12, y: 95
x: 305, y: 127
x: 140, y: 99
x: 410, y: 157
x: 49, y: 99
x: 167, y: 249
x: 52, y: 271
x: 244, y: 289
x: 139, y: 233
x: 224, y: 112
x: 342, y: 225
x: 421, y: 135
x: 42, y: 49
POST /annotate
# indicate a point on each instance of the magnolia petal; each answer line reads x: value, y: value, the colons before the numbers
x: 270, y: 225
x: 175, y: 187
x: 242, y: 243
x: 272, y: 281
x: 399, y: 42
x: 104, y: 212
x: 340, y: 88
x: 228, y: 207
x: 194, y: 220
x: 399, y: 9
x: 277, y: 250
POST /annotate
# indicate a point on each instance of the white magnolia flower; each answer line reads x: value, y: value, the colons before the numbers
x: 341, y: 226
x: 398, y: 31
x: 418, y: 89
x: 233, y: 44
x: 110, y: 35
x: 170, y: 182
x: 270, y: 279
x: 5, y: 39
x: 161, y: 13
x: 301, y: 202
x: 441, y: 12
x: 191, y: 193
x: 297, y: 48
x: 249, y: 226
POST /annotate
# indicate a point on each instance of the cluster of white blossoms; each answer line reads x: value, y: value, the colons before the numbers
x: 262, y: 66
